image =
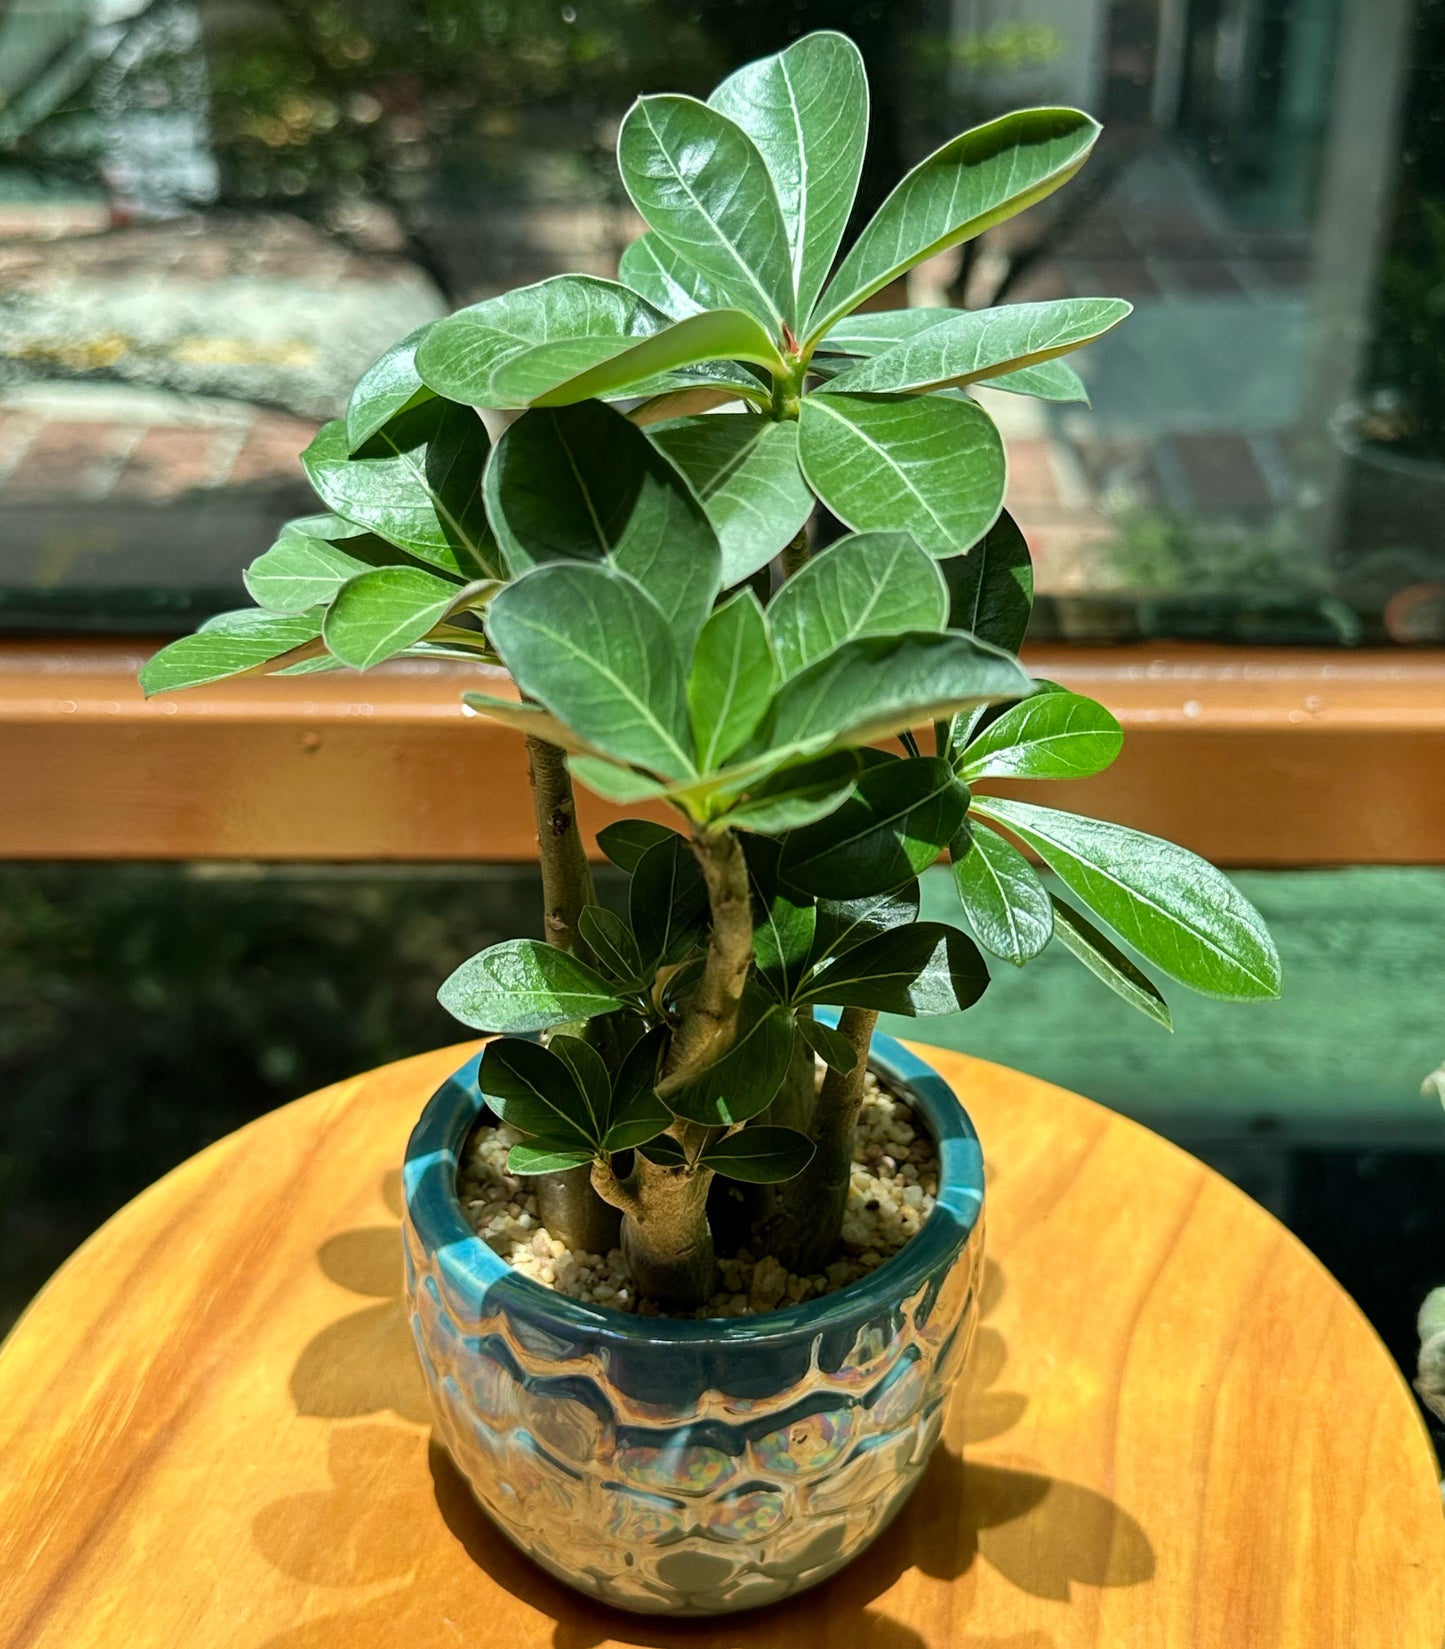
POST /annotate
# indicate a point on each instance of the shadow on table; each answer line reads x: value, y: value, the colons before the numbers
x: 378, y: 1523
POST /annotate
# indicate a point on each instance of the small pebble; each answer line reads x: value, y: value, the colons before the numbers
x: 891, y: 1193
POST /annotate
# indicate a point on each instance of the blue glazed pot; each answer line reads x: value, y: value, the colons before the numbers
x: 692, y: 1467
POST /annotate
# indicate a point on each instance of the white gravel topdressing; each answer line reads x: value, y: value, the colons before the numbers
x: 895, y: 1181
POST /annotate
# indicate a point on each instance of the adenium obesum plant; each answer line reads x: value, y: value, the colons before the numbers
x: 646, y: 568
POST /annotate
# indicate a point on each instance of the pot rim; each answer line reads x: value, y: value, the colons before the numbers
x: 476, y: 1271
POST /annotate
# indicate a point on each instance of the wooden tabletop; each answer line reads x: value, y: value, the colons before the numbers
x: 1177, y: 1430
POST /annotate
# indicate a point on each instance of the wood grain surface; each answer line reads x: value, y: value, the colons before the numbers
x: 1177, y: 1430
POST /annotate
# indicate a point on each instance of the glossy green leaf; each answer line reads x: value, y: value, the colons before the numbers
x: 832, y: 1047
x: 991, y: 589
x: 1047, y: 736
x: 388, y: 386
x: 1046, y: 381
x: 572, y: 337
x: 843, y: 923
x: 627, y: 840
x: 229, y: 645
x: 974, y: 344
x: 637, y: 1115
x: 806, y: 109
x: 745, y: 471
x: 583, y: 483
x: 535, y: 1091
x: 783, y: 924
x: 869, y: 333
x: 703, y: 188
x: 1103, y: 958
x: 759, y: 1155
x: 300, y: 571
x: 928, y: 465
x: 612, y: 945
x: 925, y: 969
x: 667, y: 280
x: 867, y: 584
x: 593, y: 647
x: 745, y: 1081
x: 381, y: 612
x: 525, y: 985
x: 417, y: 483
x: 1175, y: 909
x: 1006, y: 904
x: 874, y: 686
x: 898, y: 820
x: 667, y: 902
x: 732, y: 680
x: 542, y: 1156
x: 526, y: 719
x: 615, y: 783
x: 665, y: 1151
x: 972, y: 183
x: 797, y: 794
x: 589, y: 1071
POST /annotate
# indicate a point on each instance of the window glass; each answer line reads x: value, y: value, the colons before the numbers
x: 214, y: 215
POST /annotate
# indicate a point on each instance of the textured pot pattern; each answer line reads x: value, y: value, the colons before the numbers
x: 691, y: 1468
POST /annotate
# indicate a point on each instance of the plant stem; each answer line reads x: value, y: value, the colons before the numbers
x: 811, y: 1206
x: 665, y: 1232
x: 794, y: 555
x: 570, y: 1208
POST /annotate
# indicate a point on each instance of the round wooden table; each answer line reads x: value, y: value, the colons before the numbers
x: 1177, y: 1431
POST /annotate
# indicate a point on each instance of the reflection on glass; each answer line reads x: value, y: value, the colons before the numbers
x: 213, y: 216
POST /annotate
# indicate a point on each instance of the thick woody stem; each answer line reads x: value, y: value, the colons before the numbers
x: 811, y: 1207
x: 665, y: 1231
x: 570, y: 1208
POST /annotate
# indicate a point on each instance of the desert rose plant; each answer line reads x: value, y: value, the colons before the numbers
x: 638, y: 551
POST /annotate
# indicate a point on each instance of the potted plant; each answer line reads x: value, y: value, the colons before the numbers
x: 684, y: 1086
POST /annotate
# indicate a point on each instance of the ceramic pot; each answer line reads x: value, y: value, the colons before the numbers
x: 692, y: 1467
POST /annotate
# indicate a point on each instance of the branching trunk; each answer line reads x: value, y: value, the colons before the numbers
x: 570, y: 1208
x: 665, y: 1232
x: 811, y: 1207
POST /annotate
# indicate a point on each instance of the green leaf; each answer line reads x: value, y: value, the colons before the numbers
x: 380, y: 613
x: 584, y: 483
x: 535, y: 1091
x: 1005, y: 903
x: 524, y: 985
x: 668, y: 281
x: 732, y: 681
x: 868, y: 584
x: 572, y: 337
x: 832, y: 1047
x: 783, y: 925
x: 921, y: 970
x: 843, y: 923
x: 1047, y: 736
x: 301, y: 571
x: 616, y: 784
x: 665, y: 1151
x: 610, y: 940
x: 928, y: 465
x: 539, y: 1156
x: 637, y: 1115
x: 595, y: 649
x: 972, y: 183
x: 703, y: 188
x: 589, y: 1071
x: 745, y: 1081
x: 667, y: 902
x: 797, y: 794
x: 388, y: 386
x: 1175, y: 909
x: 806, y: 109
x: 244, y: 640
x: 526, y: 719
x: 416, y: 483
x: 895, y: 824
x: 974, y: 344
x: 1048, y: 381
x: 991, y: 589
x: 759, y: 1156
x: 745, y: 471
x: 1103, y: 958
x: 627, y: 840
x: 874, y: 686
